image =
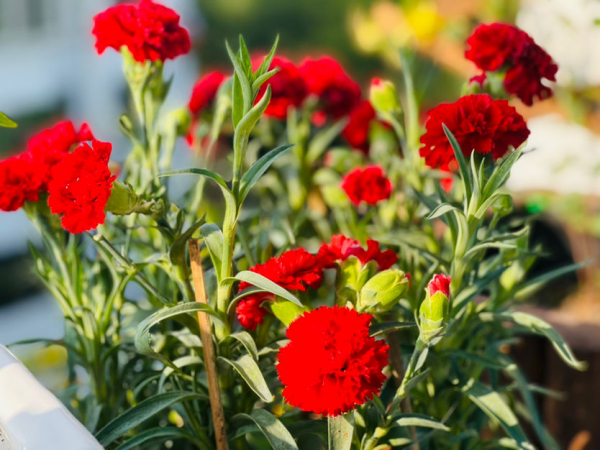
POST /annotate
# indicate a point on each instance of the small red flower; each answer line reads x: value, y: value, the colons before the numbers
x: 341, y: 248
x: 357, y: 130
x: 440, y: 283
x: 51, y: 145
x: 287, y: 87
x: 478, y: 123
x: 369, y: 185
x: 205, y: 91
x: 20, y: 181
x: 149, y: 31
x: 294, y: 270
x: 331, y: 364
x: 250, y: 313
x: 337, y: 92
x: 80, y: 187
x: 505, y: 47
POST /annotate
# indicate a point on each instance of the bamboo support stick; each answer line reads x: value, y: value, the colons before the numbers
x: 210, y: 358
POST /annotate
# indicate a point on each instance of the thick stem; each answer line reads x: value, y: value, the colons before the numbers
x: 208, y: 348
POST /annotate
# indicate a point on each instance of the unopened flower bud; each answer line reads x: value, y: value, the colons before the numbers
x: 383, y: 291
x: 384, y: 98
x: 435, y: 309
x: 122, y: 200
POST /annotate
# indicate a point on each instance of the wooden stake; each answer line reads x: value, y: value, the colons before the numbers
x: 210, y: 358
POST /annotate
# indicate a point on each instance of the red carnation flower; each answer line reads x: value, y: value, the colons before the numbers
x: 357, y: 130
x: 20, y: 181
x: 440, y: 283
x: 149, y: 31
x: 250, y: 313
x: 205, y: 91
x: 341, y: 248
x: 331, y: 364
x: 81, y: 185
x: 294, y: 270
x: 478, y: 123
x: 287, y: 87
x: 51, y: 145
x: 505, y: 47
x: 337, y: 92
x: 368, y: 185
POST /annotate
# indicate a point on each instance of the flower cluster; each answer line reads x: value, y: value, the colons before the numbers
x: 369, y: 185
x: 23, y: 176
x: 295, y: 269
x: 341, y: 248
x: 479, y: 123
x: 331, y: 363
x: 80, y: 187
x: 506, y: 48
x: 149, y: 31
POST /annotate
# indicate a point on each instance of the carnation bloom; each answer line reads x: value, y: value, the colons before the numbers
x: 478, y: 123
x: 294, y: 270
x: 51, y: 145
x: 341, y: 248
x: 440, y: 283
x: 337, y: 92
x: 19, y: 182
x: 331, y: 364
x: 357, y: 130
x: 504, y: 47
x: 369, y: 185
x: 287, y: 87
x: 149, y: 31
x: 80, y: 187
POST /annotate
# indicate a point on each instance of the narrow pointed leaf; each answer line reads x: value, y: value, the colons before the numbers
x: 501, y: 173
x: 213, y: 238
x: 140, y: 413
x: 259, y: 168
x: 275, y: 432
x: 177, y: 252
x: 419, y: 420
x: 250, y: 372
x: 262, y: 282
x: 157, y: 435
x: 442, y: 209
x: 491, y: 403
x: 386, y: 327
x: 244, y: 338
x: 462, y: 163
x: 7, y: 122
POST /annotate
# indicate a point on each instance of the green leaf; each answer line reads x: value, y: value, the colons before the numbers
x: 156, y: 435
x: 213, y: 238
x: 530, y: 287
x: 264, y: 283
x: 419, y: 420
x: 245, y: 57
x: 250, y: 372
x: 501, y: 174
x: 482, y: 360
x: 462, y: 163
x: 237, y: 99
x: 414, y: 381
x: 385, y: 327
x: 275, y: 432
x: 266, y: 64
x: 323, y: 140
x: 491, y: 403
x: 263, y: 79
x: 286, y: 311
x: 241, y: 79
x: 249, y: 121
x: 244, y: 338
x: 177, y: 252
x: 245, y: 293
x: 139, y: 413
x: 6, y: 121
x: 486, y: 245
x: 142, y: 333
x: 340, y: 431
x: 259, y: 168
x: 442, y: 209
x: 541, y: 327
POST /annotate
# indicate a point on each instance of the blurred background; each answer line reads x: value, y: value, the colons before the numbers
x: 49, y: 71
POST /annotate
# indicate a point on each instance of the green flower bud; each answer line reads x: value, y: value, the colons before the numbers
x: 123, y: 201
x: 352, y: 276
x: 434, y: 313
x: 384, y: 98
x: 383, y: 291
